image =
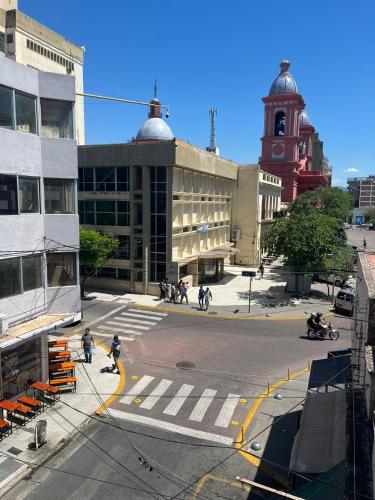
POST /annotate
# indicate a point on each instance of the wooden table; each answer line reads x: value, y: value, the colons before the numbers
x: 58, y: 343
x: 59, y: 355
x: 35, y: 404
x: 9, y: 407
x: 42, y: 387
x: 62, y: 367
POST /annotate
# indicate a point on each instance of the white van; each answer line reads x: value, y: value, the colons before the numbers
x: 345, y: 300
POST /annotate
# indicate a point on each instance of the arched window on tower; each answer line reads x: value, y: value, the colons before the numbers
x: 280, y: 123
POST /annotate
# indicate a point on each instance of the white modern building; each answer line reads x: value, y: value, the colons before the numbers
x: 39, y: 228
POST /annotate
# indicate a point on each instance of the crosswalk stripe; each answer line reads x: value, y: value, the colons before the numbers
x: 132, y: 320
x: 121, y: 330
x: 202, y: 405
x: 167, y: 426
x: 144, y: 316
x: 227, y: 410
x: 175, y: 405
x: 156, y: 394
x: 148, y: 312
x: 137, y: 389
x: 98, y: 334
x: 116, y: 323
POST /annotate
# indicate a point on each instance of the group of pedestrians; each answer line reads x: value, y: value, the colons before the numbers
x: 174, y: 292
x: 204, y: 297
x: 88, y: 344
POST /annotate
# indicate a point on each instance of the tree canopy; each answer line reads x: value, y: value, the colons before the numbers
x: 305, y: 240
x: 331, y: 201
x: 95, y: 249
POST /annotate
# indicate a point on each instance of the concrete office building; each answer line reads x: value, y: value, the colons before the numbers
x: 39, y: 273
x: 362, y: 190
x: 255, y: 200
x: 169, y: 203
x: 28, y: 42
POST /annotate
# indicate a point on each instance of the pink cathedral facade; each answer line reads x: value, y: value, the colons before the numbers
x: 287, y: 139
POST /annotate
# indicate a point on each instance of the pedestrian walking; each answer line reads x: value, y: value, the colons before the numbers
x: 261, y: 271
x: 364, y: 244
x: 201, y: 296
x: 115, y: 353
x: 87, y: 343
x: 167, y: 288
x: 183, y: 291
x: 173, y: 293
x: 162, y: 290
x: 207, y: 297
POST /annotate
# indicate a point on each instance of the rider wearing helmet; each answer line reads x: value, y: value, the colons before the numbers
x: 314, y: 321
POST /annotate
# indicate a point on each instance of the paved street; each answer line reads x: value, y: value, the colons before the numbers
x: 189, y: 379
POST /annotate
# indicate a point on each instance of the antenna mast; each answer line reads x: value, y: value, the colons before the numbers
x: 212, y: 147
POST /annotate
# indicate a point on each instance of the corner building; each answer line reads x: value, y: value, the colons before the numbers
x: 39, y: 227
x: 168, y: 202
x: 288, y: 139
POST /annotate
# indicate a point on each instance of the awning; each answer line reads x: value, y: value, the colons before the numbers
x: 320, y: 443
x: 328, y: 486
x: 331, y: 371
x: 218, y: 252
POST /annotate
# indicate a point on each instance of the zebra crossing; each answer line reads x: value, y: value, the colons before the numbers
x: 128, y: 324
x: 171, y: 401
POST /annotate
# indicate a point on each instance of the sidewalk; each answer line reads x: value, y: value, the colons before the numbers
x: 231, y: 297
x: 63, y: 420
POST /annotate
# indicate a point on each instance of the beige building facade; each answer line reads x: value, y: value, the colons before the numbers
x: 28, y: 42
x: 256, y: 198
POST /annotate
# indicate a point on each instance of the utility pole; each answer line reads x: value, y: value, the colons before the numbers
x: 251, y: 275
x: 212, y: 147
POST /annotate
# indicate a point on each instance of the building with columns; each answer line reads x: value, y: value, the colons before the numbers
x: 287, y: 142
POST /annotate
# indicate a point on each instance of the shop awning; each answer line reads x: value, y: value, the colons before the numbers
x: 320, y: 443
x: 331, y: 371
x: 37, y: 326
x: 328, y: 486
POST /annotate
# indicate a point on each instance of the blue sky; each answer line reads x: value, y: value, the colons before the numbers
x: 226, y: 55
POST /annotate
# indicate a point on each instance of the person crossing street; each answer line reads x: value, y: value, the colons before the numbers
x: 115, y: 352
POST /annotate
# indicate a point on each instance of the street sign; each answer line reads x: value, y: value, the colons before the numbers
x: 249, y: 274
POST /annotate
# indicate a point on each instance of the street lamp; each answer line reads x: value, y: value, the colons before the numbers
x: 251, y: 275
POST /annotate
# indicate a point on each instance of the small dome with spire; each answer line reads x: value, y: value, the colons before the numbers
x: 284, y: 83
x: 304, y: 119
x: 155, y: 128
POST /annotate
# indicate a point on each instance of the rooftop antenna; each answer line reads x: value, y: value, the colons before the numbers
x: 155, y: 88
x: 212, y: 147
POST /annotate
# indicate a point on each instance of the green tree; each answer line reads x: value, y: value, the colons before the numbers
x: 95, y: 249
x: 370, y: 216
x: 333, y: 202
x: 339, y: 264
x: 305, y: 240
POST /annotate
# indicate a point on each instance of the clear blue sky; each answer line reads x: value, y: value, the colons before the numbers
x: 207, y: 53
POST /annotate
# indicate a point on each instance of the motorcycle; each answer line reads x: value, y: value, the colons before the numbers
x: 323, y: 332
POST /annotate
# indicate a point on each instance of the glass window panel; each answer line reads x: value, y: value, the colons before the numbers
x: 32, y: 272
x: 123, y: 219
x: 105, y: 206
x: 8, y: 195
x: 138, y: 249
x: 137, y: 177
x: 161, y: 203
x: 123, y: 206
x: 161, y: 174
x: 62, y: 269
x: 89, y: 206
x: 123, y: 179
x: 28, y: 195
x: 123, y: 251
x: 138, y: 214
x: 138, y: 276
x: 25, y: 113
x: 89, y: 218
x: 57, y: 118
x: 105, y: 179
x: 107, y: 272
x: 59, y: 196
x: 6, y: 108
x: 123, y: 274
x: 161, y: 224
x: 105, y: 219
x: 10, y: 277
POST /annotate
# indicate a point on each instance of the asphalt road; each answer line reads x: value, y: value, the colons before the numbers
x: 225, y: 365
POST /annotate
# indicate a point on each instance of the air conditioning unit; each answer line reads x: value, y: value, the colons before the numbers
x: 236, y: 233
x: 4, y: 324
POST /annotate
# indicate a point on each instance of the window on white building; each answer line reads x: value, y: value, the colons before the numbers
x: 59, y: 196
x: 25, y: 113
x: 8, y: 195
x: 6, y: 107
x: 28, y: 195
x: 62, y: 269
x: 57, y: 118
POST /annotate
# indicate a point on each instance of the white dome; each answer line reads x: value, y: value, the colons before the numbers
x: 155, y: 129
x: 304, y: 119
x: 284, y: 82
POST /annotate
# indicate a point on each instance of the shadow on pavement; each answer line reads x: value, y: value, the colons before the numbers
x: 277, y: 450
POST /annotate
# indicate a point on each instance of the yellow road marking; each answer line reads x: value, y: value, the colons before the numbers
x: 243, y: 400
x: 135, y: 377
x: 209, y: 477
x: 223, y: 316
x: 241, y: 439
x: 120, y: 387
x: 138, y: 401
x: 234, y: 422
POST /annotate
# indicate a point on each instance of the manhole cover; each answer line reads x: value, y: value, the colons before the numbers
x: 212, y: 313
x: 14, y: 451
x: 185, y: 365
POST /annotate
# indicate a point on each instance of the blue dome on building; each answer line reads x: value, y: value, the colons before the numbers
x: 284, y: 83
x: 304, y: 119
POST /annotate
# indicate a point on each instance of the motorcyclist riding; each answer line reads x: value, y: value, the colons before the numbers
x: 313, y: 323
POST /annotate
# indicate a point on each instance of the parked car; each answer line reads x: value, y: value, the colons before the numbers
x: 345, y: 300
x: 372, y: 227
x: 337, y: 281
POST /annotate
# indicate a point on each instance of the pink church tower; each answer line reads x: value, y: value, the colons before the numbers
x: 287, y: 138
